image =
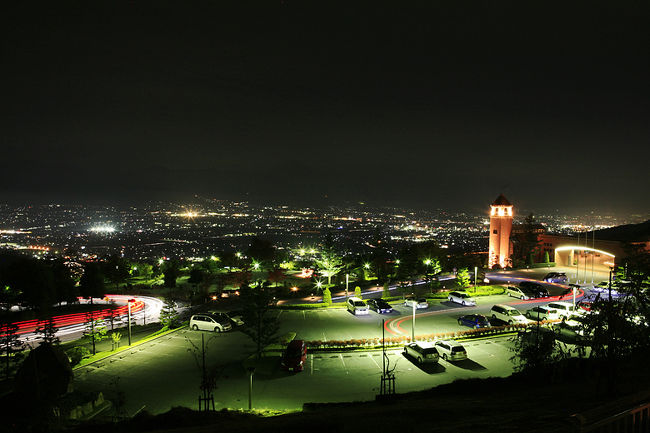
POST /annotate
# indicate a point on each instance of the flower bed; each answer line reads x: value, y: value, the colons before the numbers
x: 375, y: 343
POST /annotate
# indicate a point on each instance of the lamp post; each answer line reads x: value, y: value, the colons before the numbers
x: 347, y: 281
x: 129, y: 317
x: 251, y: 370
x: 475, y: 272
x: 413, y: 324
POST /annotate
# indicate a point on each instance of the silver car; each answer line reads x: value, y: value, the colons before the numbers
x: 422, y: 352
x: 450, y: 350
x: 419, y: 303
x: 205, y: 322
x: 462, y: 298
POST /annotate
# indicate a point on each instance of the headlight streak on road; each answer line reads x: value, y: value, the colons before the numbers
x: 76, y: 322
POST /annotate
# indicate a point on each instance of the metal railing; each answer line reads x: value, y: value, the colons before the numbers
x: 634, y: 420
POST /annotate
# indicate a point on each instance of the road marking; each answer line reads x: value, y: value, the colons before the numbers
x: 280, y: 314
x: 324, y: 338
x: 376, y: 363
x: 303, y: 315
x: 311, y: 368
x: 344, y: 366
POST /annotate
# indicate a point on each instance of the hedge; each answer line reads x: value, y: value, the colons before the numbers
x: 372, y: 343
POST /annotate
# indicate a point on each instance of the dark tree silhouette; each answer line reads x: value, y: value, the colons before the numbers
x: 258, y: 323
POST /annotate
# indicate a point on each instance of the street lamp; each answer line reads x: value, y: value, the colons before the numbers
x: 129, y: 317
x: 251, y: 371
x: 475, y: 272
x: 413, y: 324
x: 256, y: 266
x: 347, y: 281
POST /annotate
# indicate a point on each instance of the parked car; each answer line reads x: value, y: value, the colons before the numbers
x: 474, y: 321
x: 294, y: 356
x: 565, y: 309
x: 205, y: 322
x: 556, y: 277
x: 519, y: 292
x: 380, y: 306
x: 543, y: 313
x: 419, y: 303
x: 450, y: 350
x: 462, y: 298
x: 507, y: 314
x: 422, y: 352
x: 357, y: 307
x: 536, y: 289
x: 235, y: 320
x: 574, y: 327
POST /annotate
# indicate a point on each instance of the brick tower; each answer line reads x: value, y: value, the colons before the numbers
x: 500, y: 228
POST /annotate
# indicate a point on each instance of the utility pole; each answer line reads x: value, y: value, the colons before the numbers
x: 413, y: 325
x: 129, y: 318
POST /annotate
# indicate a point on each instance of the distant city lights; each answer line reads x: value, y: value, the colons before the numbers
x: 102, y: 229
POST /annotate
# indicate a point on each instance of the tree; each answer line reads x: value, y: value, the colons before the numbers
x: 196, y: 276
x: 261, y: 250
x: 95, y: 330
x: 168, y: 313
x: 47, y: 332
x: 117, y: 270
x: 547, y: 259
x: 12, y: 347
x: 386, y: 291
x: 276, y: 276
x: 462, y: 278
x: 357, y: 292
x: 258, y: 323
x: 329, y: 264
x: 327, y: 296
x: 91, y: 284
x: 171, y: 271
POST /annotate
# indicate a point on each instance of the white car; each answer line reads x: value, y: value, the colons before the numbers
x: 507, y: 314
x: 517, y: 293
x: 450, y: 350
x: 205, y: 322
x: 543, y: 313
x: 462, y: 298
x: 565, y: 309
x: 419, y: 303
x: 357, y: 307
x: 422, y: 352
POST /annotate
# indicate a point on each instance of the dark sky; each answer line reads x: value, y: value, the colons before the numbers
x: 434, y: 104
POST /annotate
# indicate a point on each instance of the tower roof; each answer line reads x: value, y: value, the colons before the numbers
x: 501, y: 201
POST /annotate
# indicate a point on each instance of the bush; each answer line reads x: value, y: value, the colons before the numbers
x: 76, y: 354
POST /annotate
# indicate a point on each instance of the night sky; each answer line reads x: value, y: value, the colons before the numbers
x: 424, y: 104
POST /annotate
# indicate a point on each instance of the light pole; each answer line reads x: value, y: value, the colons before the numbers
x: 413, y: 324
x: 251, y: 370
x: 574, y: 297
x: 475, y: 272
x: 129, y: 317
x: 347, y: 281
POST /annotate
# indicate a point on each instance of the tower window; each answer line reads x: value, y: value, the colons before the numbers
x: 495, y: 231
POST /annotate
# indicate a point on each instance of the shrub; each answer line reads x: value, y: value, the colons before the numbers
x: 76, y: 354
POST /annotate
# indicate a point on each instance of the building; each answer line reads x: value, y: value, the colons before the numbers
x: 500, y: 249
x: 596, y: 250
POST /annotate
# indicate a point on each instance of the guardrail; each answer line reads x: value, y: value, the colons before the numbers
x: 634, y: 420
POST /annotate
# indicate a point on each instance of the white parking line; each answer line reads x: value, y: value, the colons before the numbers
x: 376, y: 363
x: 343, y: 362
x: 311, y: 368
x: 303, y: 315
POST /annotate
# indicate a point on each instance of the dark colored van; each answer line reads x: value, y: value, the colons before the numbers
x: 294, y: 356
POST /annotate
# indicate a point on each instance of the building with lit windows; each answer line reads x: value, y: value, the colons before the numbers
x: 500, y: 249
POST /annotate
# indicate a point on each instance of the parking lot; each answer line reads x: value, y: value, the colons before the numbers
x: 163, y: 373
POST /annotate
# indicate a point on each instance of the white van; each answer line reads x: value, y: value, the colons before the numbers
x: 205, y: 322
x: 357, y: 307
x: 565, y: 309
x: 507, y: 314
